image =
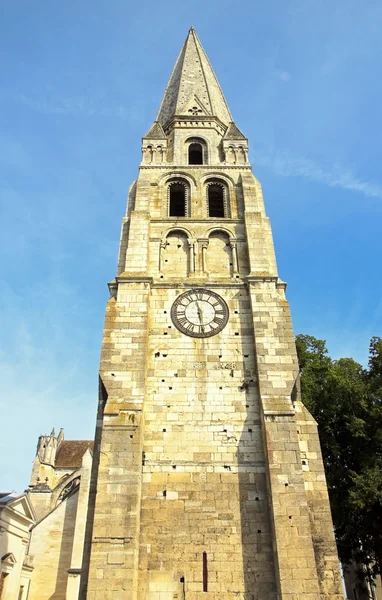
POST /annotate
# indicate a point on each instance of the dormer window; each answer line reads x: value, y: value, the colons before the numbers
x: 195, y: 154
x: 178, y: 194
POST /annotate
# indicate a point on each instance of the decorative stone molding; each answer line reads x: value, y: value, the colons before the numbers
x: 235, y: 154
x: 154, y: 154
x: 204, y: 245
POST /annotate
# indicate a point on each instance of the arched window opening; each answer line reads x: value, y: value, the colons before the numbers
x: 178, y: 199
x: 195, y: 154
x: 69, y: 489
x: 148, y: 154
x: 216, y: 200
x: 219, y: 255
x: 175, y: 256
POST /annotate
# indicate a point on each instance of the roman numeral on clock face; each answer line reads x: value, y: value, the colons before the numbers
x: 218, y: 321
x: 198, y: 295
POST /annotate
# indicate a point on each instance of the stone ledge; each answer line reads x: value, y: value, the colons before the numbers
x: 132, y: 277
x: 199, y: 283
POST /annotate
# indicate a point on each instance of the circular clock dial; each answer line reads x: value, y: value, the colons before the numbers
x: 199, y: 313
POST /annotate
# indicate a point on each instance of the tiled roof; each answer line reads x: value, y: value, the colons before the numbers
x: 71, y: 452
x: 3, y: 496
x: 6, y: 497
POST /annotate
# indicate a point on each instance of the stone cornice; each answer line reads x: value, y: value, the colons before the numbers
x: 190, y: 220
x: 154, y: 282
x: 270, y: 278
x: 256, y: 278
x: 131, y: 277
x: 199, y: 283
x: 200, y: 122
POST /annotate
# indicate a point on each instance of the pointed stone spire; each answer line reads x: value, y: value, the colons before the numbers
x: 193, y: 89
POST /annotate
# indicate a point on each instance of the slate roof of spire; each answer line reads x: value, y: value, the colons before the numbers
x: 193, y: 79
x: 234, y: 133
x: 155, y: 132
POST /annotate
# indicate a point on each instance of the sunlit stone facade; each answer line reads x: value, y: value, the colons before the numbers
x: 207, y: 481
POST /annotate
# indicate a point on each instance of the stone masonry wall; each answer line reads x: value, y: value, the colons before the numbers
x: 201, y: 492
x: 204, y: 487
x: 114, y: 551
x: 51, y: 546
x: 303, y: 573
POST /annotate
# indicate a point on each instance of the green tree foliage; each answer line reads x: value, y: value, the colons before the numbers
x: 346, y: 401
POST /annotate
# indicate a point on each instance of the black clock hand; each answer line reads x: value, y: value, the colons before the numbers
x: 200, y: 312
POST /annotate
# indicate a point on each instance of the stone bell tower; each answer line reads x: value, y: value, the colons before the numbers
x: 208, y: 479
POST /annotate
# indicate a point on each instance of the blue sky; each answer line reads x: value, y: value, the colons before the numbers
x: 81, y: 84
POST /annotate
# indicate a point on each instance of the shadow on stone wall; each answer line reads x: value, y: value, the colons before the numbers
x: 102, y: 399
x: 66, y: 546
x: 256, y: 524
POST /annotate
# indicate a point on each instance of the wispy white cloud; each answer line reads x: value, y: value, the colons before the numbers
x: 60, y: 105
x: 48, y: 103
x: 332, y: 175
x: 284, y: 76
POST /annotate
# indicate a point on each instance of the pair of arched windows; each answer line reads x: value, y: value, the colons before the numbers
x: 215, y: 254
x: 179, y: 199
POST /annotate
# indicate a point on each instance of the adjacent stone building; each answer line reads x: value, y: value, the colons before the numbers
x: 58, y: 492
x: 16, y: 564
x: 207, y: 479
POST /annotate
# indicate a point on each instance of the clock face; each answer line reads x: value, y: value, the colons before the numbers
x: 199, y: 313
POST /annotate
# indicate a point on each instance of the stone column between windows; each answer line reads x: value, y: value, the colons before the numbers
x: 191, y: 246
x: 162, y: 247
x: 235, y: 261
x: 204, y: 245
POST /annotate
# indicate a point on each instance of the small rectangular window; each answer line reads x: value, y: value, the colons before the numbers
x: 205, y: 572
